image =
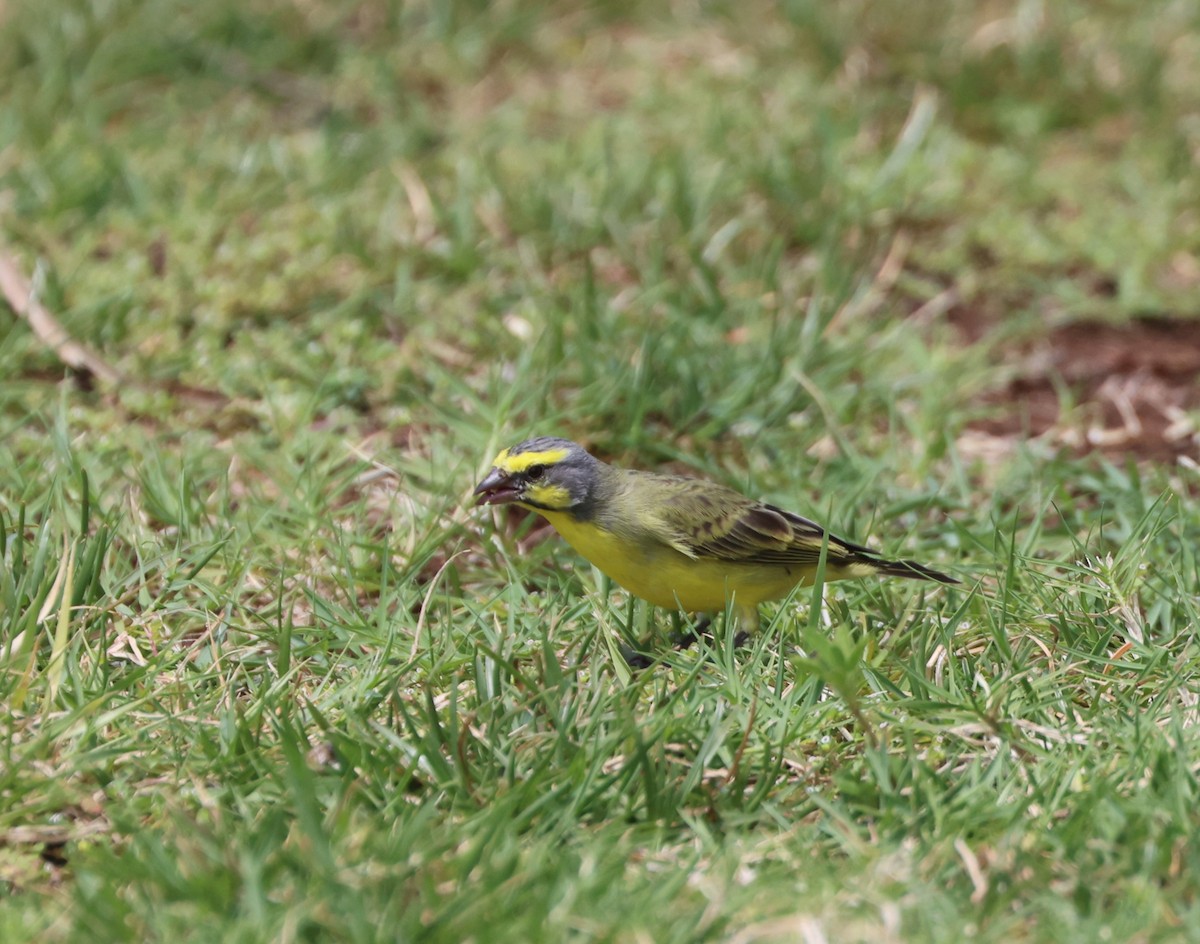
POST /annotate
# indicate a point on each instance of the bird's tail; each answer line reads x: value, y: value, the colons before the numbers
x: 907, y: 568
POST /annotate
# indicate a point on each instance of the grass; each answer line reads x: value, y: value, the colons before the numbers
x: 269, y: 676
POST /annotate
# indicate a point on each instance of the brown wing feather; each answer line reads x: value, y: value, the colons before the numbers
x: 707, y: 521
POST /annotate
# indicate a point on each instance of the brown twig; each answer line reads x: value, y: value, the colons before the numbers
x: 21, y: 298
x: 16, y: 289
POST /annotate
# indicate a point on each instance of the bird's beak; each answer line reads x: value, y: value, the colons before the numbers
x: 496, y: 489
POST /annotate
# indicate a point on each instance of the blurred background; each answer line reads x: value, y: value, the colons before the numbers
x: 674, y: 209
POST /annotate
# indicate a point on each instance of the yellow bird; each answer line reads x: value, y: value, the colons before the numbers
x: 677, y: 542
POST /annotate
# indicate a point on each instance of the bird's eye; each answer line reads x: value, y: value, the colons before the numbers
x: 535, y: 472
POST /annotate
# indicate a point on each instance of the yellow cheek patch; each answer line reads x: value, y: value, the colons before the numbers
x: 525, y: 460
x: 549, y: 496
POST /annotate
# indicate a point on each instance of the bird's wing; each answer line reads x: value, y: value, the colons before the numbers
x: 702, y: 520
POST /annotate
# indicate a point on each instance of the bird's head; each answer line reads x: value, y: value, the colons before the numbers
x: 544, y: 474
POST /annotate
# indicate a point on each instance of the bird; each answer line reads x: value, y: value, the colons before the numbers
x: 679, y: 543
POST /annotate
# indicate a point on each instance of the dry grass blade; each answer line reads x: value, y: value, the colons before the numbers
x: 54, y: 671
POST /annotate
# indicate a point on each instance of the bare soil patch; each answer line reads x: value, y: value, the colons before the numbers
x: 1089, y: 385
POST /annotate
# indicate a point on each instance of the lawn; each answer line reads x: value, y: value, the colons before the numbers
x: 925, y: 272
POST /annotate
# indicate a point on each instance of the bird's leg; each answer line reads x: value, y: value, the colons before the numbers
x: 747, y: 626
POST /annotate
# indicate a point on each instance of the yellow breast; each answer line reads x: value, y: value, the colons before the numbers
x: 667, y: 578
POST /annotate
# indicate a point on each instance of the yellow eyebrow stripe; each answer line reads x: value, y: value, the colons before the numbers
x: 524, y: 460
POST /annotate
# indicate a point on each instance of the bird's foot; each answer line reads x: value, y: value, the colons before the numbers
x: 685, y: 639
x: 636, y: 658
x: 681, y: 641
